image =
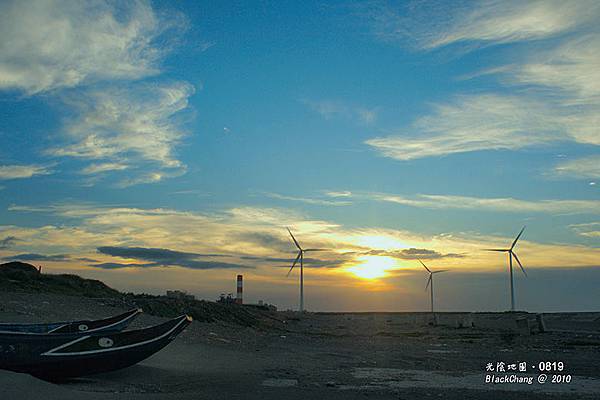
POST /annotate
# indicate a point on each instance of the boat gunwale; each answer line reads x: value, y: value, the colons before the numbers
x: 130, y: 314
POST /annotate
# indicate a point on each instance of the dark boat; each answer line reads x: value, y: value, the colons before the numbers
x: 112, y: 324
x: 68, y: 355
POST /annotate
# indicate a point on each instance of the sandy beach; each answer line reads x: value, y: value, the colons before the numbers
x: 325, y: 355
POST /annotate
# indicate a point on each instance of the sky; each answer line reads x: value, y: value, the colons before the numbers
x: 168, y: 145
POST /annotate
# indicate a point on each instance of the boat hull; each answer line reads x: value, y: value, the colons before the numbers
x: 62, y: 356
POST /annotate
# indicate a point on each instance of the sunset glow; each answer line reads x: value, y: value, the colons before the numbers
x: 372, y: 267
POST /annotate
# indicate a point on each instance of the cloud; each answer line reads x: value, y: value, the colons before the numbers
x: 571, y: 67
x: 265, y: 240
x: 166, y: 257
x: 591, y: 230
x: 555, y: 94
x: 38, y: 257
x: 329, y: 109
x: 475, y: 123
x: 212, y: 236
x: 414, y: 254
x: 127, y: 127
x: 98, y: 50
x: 512, y: 21
x: 93, y: 169
x: 491, y: 204
x: 46, y: 45
x: 333, y: 193
x: 433, y: 24
x: 110, y: 265
x: 587, y: 167
x: 309, y: 262
x: 566, y: 76
x: 308, y: 200
x: 7, y: 242
x: 22, y: 171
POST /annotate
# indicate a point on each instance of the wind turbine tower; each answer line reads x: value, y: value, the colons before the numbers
x: 430, y: 281
x: 512, y: 254
x: 300, y: 257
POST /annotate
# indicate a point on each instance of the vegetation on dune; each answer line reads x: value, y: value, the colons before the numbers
x: 22, y: 277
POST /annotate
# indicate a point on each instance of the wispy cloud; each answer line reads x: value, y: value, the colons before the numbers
x: 93, y: 169
x: 433, y: 24
x: 46, y: 45
x: 587, y: 167
x: 512, y: 21
x: 557, y: 96
x: 23, y: 171
x: 99, y: 51
x: 591, y: 230
x: 473, y: 123
x: 128, y: 127
x: 492, y: 204
x: 571, y: 68
x: 334, y: 193
x: 329, y: 109
x: 309, y: 200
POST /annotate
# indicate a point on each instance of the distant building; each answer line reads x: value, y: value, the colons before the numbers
x: 226, y: 299
x: 239, y: 298
x: 180, y: 295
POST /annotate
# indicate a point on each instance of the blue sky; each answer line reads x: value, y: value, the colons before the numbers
x: 206, y: 129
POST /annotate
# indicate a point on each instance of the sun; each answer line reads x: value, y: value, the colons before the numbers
x: 372, y: 267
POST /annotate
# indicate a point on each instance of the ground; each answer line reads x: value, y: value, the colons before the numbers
x: 326, y: 356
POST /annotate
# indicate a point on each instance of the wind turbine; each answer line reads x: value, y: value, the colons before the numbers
x: 300, y: 257
x: 512, y: 254
x: 430, y: 280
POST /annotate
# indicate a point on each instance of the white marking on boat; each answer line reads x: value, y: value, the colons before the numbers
x: 53, y: 352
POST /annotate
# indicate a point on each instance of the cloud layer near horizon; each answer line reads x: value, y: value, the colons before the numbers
x: 163, y: 258
x: 257, y: 237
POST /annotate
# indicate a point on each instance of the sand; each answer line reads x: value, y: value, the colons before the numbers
x: 325, y: 356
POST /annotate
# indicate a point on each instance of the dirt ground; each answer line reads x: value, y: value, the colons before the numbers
x: 328, y: 356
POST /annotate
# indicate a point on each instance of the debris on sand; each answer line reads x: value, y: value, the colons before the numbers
x: 273, y: 382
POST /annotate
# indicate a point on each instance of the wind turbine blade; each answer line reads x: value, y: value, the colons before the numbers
x: 294, y: 264
x: 428, y: 282
x: 501, y: 250
x: 519, y: 262
x: 425, y: 266
x: 441, y: 270
x: 315, y: 250
x: 517, y: 238
x: 294, y: 239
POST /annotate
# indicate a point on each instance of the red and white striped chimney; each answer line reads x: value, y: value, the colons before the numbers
x: 240, y: 289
